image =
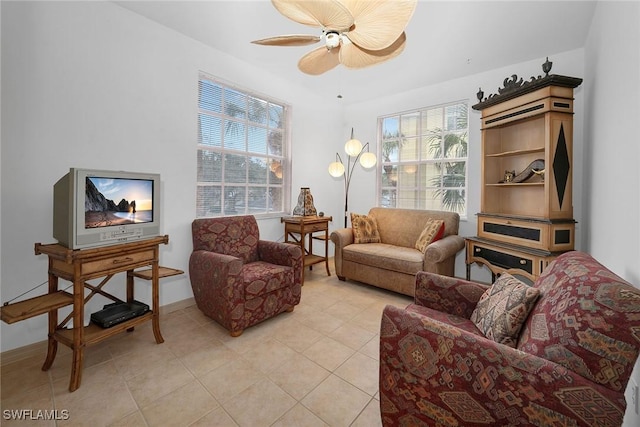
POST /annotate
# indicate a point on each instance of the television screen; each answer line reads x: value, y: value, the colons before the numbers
x: 97, y: 207
x: 117, y: 201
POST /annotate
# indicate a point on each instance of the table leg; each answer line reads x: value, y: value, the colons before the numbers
x: 310, y: 247
x: 326, y: 251
x: 76, y: 369
x: 52, y: 346
x: 52, y: 349
x: 78, y: 331
x: 130, y: 292
x: 155, y: 286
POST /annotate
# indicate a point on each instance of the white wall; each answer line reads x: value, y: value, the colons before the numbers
x: 90, y: 84
x: 363, y: 117
x: 612, y: 153
x: 0, y: 150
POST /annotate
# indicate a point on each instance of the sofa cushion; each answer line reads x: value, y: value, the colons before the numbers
x: 237, y: 236
x: 365, y: 229
x: 401, y: 227
x: 448, y: 318
x: 262, y: 277
x: 503, y: 309
x: 388, y: 257
x: 433, y: 231
x: 587, y: 319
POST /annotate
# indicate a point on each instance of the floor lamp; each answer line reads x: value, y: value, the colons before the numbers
x: 355, y: 152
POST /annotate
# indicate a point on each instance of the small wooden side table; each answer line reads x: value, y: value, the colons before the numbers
x: 297, y: 227
x: 79, y: 266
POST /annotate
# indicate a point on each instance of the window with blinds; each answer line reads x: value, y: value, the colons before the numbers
x: 243, y: 152
x: 424, y: 158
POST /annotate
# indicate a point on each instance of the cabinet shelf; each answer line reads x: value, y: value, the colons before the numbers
x: 516, y: 152
x: 313, y: 259
x: 516, y: 184
x: 147, y: 273
x: 36, y: 306
x: 94, y: 334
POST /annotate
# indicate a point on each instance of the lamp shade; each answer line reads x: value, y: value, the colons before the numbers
x: 411, y: 169
x: 368, y: 160
x: 353, y: 147
x: 336, y: 169
x: 278, y: 172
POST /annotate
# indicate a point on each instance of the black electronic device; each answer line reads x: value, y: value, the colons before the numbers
x: 118, y: 312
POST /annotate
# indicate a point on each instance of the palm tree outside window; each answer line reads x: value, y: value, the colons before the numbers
x: 424, y: 158
x: 243, y: 152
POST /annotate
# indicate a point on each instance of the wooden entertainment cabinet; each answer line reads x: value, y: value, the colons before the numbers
x: 526, y: 216
x: 79, y: 266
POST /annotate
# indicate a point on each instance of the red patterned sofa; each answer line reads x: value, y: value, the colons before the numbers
x: 570, y: 365
x: 239, y: 280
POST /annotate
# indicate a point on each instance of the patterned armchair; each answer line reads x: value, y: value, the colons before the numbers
x: 570, y: 365
x: 239, y: 280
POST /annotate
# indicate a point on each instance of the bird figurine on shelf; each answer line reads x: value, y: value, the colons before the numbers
x: 535, y: 168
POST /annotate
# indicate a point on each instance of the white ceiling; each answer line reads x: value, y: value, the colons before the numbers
x: 445, y: 39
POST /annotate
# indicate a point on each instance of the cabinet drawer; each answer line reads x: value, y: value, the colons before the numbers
x: 315, y: 227
x: 500, y: 258
x: 503, y: 259
x: 548, y: 236
x: 117, y: 263
x: 308, y: 228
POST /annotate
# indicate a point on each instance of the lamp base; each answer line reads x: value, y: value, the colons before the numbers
x: 305, y: 203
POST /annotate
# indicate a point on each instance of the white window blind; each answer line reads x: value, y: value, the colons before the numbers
x: 424, y: 158
x: 243, y: 152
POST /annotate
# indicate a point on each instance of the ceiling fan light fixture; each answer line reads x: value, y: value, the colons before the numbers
x: 332, y: 39
x: 378, y: 35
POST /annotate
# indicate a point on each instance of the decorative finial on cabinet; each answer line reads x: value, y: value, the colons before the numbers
x: 546, y: 67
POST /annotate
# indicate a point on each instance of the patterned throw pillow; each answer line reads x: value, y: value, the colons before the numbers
x: 503, y: 309
x: 365, y: 229
x: 434, y: 230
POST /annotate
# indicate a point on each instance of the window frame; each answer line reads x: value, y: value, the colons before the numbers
x: 421, y: 162
x: 222, y: 144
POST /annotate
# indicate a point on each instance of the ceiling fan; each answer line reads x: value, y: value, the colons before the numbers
x: 356, y: 33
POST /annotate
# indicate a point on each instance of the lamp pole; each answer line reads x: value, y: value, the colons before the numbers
x: 356, y: 152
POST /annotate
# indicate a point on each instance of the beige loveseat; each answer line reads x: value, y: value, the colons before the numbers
x: 393, y: 263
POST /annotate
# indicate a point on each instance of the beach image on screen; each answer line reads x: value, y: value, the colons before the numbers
x: 117, y: 201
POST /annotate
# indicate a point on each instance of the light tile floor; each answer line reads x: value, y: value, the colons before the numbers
x: 316, y: 366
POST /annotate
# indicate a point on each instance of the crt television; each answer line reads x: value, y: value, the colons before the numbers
x: 98, y: 208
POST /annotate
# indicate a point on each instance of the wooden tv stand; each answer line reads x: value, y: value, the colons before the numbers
x: 79, y: 266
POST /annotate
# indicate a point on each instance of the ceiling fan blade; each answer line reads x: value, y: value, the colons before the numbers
x: 289, y: 40
x: 330, y: 14
x: 353, y: 56
x: 379, y: 23
x: 319, y: 60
